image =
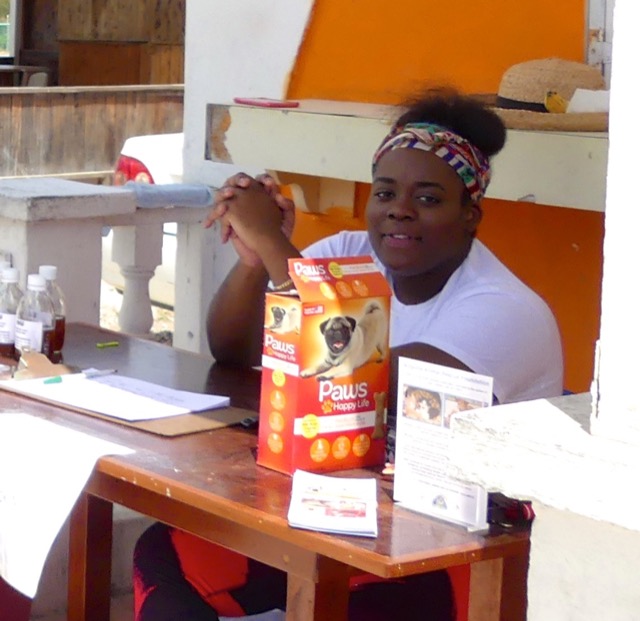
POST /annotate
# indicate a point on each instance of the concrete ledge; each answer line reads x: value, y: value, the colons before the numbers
x: 585, y: 538
x: 32, y: 200
x: 542, y: 450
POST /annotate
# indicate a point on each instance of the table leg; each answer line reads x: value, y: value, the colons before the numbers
x: 324, y: 597
x: 90, y: 534
x: 513, y: 606
x: 485, y: 590
x: 498, y: 589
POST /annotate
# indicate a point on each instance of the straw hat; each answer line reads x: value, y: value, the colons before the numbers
x: 521, y: 95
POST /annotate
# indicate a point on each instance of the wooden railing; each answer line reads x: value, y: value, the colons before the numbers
x: 77, y: 133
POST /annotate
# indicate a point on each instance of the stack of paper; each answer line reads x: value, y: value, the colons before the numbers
x: 115, y: 395
x: 334, y: 505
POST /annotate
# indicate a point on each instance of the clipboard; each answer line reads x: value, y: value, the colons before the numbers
x: 37, y: 366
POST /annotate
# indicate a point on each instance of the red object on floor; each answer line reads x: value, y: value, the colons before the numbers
x: 13, y: 605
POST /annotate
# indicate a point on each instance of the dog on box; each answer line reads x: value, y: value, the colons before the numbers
x: 350, y: 344
x: 285, y: 320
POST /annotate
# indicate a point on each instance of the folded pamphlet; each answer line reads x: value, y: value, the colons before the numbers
x: 334, y: 504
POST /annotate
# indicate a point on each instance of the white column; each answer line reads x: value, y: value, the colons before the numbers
x: 201, y: 267
x: 616, y: 385
x: 138, y: 251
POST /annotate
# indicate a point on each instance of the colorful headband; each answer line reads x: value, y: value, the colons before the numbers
x: 471, y: 165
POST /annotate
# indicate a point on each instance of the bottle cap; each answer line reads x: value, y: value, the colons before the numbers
x: 49, y: 272
x: 10, y: 274
x: 35, y: 282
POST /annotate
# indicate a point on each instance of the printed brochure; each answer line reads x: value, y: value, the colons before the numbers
x: 334, y: 504
x: 428, y: 396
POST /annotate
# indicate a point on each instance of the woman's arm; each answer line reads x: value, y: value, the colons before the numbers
x: 236, y: 315
x: 234, y: 320
x: 258, y: 221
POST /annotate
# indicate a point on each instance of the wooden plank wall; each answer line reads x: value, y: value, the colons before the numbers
x: 85, y: 63
x: 109, y: 42
x: 102, y: 64
x: 167, y: 22
x: 66, y: 131
x: 103, y: 20
x: 162, y: 64
x: 39, y: 44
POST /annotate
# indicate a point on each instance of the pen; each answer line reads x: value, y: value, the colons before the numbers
x: 107, y: 344
x: 53, y: 380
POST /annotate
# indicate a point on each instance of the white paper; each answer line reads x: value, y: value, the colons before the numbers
x: 334, y: 504
x: 428, y: 396
x: 43, y: 469
x: 117, y: 396
x: 585, y: 100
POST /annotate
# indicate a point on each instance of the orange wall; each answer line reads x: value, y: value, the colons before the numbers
x: 381, y: 51
x: 558, y: 253
x: 377, y: 50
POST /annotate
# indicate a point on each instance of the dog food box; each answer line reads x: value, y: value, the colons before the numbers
x: 325, y: 368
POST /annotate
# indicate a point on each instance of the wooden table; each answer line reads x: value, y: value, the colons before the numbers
x: 208, y: 484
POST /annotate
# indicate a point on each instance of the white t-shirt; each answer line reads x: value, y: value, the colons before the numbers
x: 484, y: 316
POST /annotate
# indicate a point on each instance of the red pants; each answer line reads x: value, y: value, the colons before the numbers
x: 179, y: 577
x: 13, y: 605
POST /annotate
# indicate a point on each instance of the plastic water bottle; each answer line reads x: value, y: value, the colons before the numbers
x: 34, y: 319
x: 10, y: 296
x: 50, y: 274
x: 4, y: 264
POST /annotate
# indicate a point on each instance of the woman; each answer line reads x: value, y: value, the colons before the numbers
x: 453, y: 303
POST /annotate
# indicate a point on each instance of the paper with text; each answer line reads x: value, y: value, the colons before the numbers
x: 117, y: 396
x: 332, y: 504
x: 43, y: 469
x: 428, y: 396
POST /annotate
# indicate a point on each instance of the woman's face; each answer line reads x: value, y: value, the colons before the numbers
x: 416, y: 217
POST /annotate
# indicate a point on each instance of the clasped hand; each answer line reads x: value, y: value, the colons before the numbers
x: 251, y: 213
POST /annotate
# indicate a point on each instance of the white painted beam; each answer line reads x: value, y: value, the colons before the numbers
x: 337, y: 140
